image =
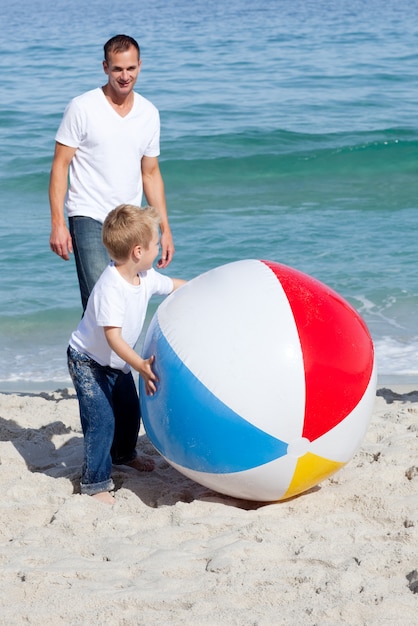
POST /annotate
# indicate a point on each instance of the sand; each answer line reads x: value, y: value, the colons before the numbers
x: 171, y: 552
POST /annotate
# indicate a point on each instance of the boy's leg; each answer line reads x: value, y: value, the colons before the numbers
x: 127, y: 419
x: 94, y: 390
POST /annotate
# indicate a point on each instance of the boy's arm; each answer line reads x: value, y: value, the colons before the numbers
x: 124, y: 351
x: 178, y: 282
x: 115, y: 340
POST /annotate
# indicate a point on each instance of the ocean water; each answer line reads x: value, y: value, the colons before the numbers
x: 289, y: 133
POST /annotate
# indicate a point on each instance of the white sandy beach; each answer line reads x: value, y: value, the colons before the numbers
x: 170, y: 552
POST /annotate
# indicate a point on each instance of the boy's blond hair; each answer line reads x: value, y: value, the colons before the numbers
x: 128, y: 226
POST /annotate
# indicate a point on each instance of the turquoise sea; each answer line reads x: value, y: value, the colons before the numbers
x: 289, y: 133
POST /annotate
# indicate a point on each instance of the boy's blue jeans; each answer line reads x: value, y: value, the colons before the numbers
x: 91, y: 257
x: 110, y: 417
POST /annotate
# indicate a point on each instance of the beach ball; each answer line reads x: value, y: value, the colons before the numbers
x: 267, y: 380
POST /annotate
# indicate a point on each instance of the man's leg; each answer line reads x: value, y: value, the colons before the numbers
x: 91, y: 256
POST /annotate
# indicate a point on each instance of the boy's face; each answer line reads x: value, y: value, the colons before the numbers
x: 149, y: 255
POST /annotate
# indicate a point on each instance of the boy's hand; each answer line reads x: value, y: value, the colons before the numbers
x: 150, y: 379
x: 115, y: 340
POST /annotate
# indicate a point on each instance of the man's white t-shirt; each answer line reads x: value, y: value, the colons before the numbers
x: 115, y: 302
x: 106, y: 168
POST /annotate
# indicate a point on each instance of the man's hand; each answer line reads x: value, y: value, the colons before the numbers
x: 60, y: 242
x: 167, y: 250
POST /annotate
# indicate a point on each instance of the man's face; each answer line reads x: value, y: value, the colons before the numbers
x: 122, y: 69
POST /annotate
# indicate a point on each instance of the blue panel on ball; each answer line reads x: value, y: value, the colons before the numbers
x: 190, y: 426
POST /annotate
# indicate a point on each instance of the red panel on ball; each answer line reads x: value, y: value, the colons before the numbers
x: 336, y: 346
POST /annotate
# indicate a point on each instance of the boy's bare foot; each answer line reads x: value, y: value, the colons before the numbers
x: 142, y: 464
x: 105, y: 497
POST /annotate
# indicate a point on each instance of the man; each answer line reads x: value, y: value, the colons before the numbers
x: 108, y: 140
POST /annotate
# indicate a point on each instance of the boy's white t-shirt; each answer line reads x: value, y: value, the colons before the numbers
x: 106, y: 168
x: 115, y: 302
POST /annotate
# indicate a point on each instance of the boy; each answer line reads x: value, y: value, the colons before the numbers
x: 101, y: 351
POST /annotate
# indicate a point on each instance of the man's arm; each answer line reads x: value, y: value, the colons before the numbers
x: 155, y: 195
x: 60, y: 239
